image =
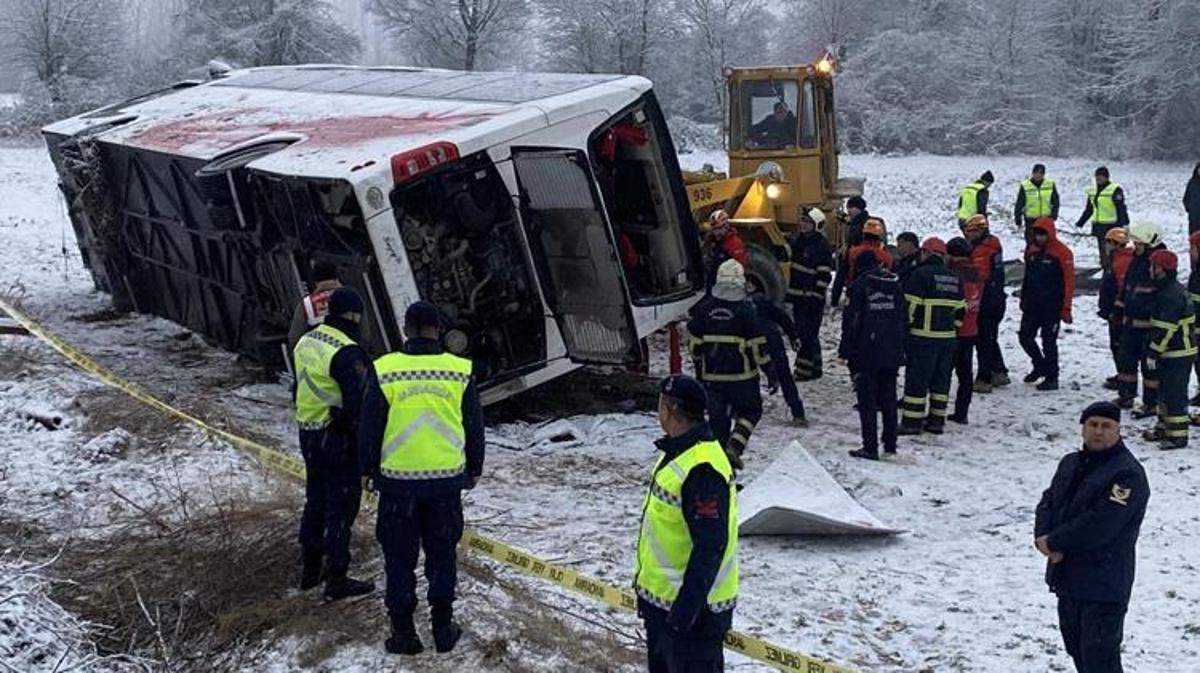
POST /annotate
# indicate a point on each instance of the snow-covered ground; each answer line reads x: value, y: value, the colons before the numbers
x: 962, y: 591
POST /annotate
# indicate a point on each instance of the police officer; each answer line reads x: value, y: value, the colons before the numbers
x: 686, y: 573
x: 874, y: 325
x: 727, y: 348
x: 1172, y: 351
x: 987, y: 256
x: 936, y: 308
x: 422, y: 443
x: 1105, y: 208
x: 330, y: 367
x: 1087, y: 528
x: 1135, y: 334
x: 812, y: 268
x: 973, y: 199
x: 1037, y: 197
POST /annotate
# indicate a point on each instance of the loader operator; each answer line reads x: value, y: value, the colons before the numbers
x: 686, y: 573
x: 422, y: 443
x: 330, y: 366
x: 727, y: 349
x: 775, y: 131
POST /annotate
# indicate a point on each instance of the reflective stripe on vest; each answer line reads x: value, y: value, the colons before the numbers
x: 926, y: 328
x: 1037, y: 198
x: 317, y: 394
x: 744, y: 346
x: 664, y: 543
x: 970, y: 200
x: 798, y: 287
x: 1183, y: 329
x: 1104, y: 208
x: 424, y: 437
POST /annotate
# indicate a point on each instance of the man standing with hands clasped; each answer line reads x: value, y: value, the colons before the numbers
x: 1087, y: 528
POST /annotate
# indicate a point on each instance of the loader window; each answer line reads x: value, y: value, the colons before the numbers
x: 808, y: 117
x: 768, y: 114
x: 627, y: 158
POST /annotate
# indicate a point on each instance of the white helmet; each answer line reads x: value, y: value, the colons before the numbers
x: 1146, y: 233
x: 818, y: 216
x: 731, y: 273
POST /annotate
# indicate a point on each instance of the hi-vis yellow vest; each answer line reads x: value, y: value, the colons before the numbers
x: 665, y: 545
x: 317, y: 394
x: 1037, y: 198
x: 1104, y: 208
x: 970, y: 200
x: 424, y: 437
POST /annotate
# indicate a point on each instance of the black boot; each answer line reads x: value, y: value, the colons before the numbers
x: 1112, y: 383
x: 445, y: 632
x: 935, y: 427
x: 956, y: 417
x: 865, y: 453
x: 1032, y: 376
x: 1051, y: 383
x: 735, y: 460
x: 909, y: 427
x: 404, y: 638
x: 312, y: 571
x: 339, y: 586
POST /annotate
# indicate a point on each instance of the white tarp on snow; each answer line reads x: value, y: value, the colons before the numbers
x: 796, y: 496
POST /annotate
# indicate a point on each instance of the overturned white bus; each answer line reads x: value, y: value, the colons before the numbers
x: 544, y: 214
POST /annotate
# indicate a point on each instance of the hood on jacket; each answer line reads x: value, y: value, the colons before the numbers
x: 1047, y: 225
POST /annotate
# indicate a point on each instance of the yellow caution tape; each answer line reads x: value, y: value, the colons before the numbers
x: 735, y: 641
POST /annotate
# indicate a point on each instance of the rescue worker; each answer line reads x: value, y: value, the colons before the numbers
x: 1194, y: 295
x: 773, y: 323
x: 1105, y: 208
x: 1046, y: 294
x: 987, y: 257
x: 873, y: 233
x: 812, y: 267
x: 1172, y: 351
x: 1135, y: 332
x: 1112, y: 286
x: 724, y: 243
x: 422, y: 444
x: 935, y: 305
x: 1037, y: 197
x: 728, y: 348
x: 686, y: 572
x: 874, y: 326
x: 960, y: 262
x: 908, y: 251
x: 1087, y: 527
x: 310, y: 311
x: 856, y: 211
x: 973, y: 199
x: 330, y: 368
x: 1191, y: 200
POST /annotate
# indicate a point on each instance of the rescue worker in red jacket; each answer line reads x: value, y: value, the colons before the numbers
x: 959, y: 251
x: 1172, y: 351
x: 725, y: 243
x: 987, y: 257
x: 1112, y: 287
x: 1046, y: 294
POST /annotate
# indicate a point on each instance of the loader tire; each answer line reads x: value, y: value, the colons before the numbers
x: 763, y: 272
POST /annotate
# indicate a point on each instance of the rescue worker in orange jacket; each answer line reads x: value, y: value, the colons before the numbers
x: 1112, y: 287
x: 988, y: 259
x: 725, y: 243
x: 959, y: 251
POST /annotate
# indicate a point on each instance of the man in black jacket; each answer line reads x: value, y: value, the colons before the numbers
x: 773, y: 323
x: 1137, y: 296
x: 812, y: 266
x: 330, y: 367
x: 908, y: 254
x: 1191, y: 201
x: 1087, y: 528
x: 936, y: 309
x: 874, y: 326
x: 422, y: 443
x: 688, y: 522
x: 1171, y: 351
x: 856, y: 209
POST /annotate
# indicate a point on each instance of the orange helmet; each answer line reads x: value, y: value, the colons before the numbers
x: 977, y: 222
x: 873, y: 227
x: 1118, y: 236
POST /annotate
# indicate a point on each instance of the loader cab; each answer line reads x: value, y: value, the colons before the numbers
x: 785, y: 115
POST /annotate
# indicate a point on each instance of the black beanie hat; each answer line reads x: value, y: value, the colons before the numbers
x: 958, y: 247
x: 1105, y: 409
x: 856, y: 202
x: 987, y: 177
x: 423, y: 314
x: 1103, y: 170
x: 345, y: 300
x: 1039, y: 168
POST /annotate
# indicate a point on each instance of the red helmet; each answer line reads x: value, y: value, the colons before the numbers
x: 934, y: 245
x: 1165, y: 259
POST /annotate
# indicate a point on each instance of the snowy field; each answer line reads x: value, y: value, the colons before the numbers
x: 962, y: 591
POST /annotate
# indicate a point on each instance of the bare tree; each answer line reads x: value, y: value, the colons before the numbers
x: 726, y: 32
x: 454, y: 33
x: 59, y: 39
x: 622, y: 36
x: 266, y: 32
